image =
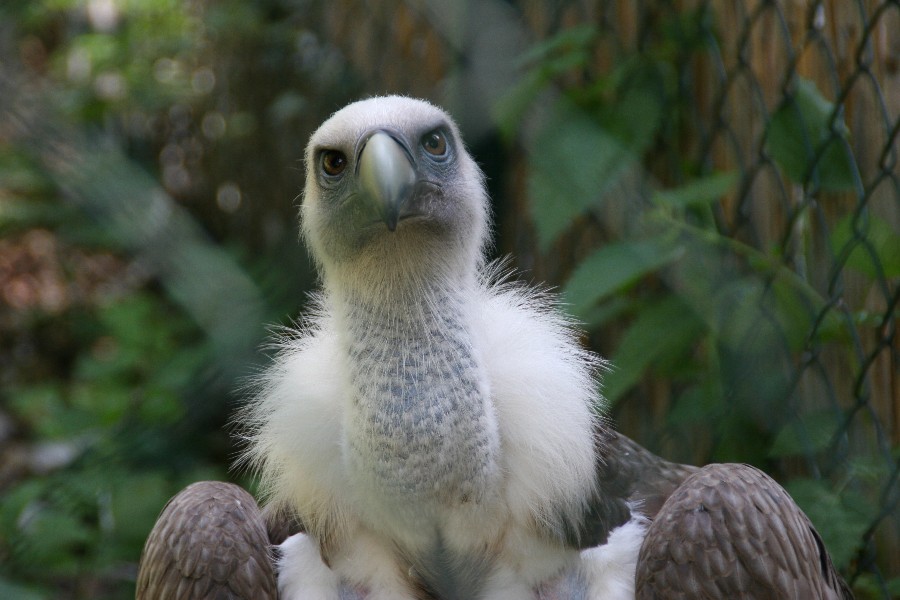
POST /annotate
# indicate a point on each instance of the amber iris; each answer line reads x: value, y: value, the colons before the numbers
x: 333, y: 162
x: 435, y: 143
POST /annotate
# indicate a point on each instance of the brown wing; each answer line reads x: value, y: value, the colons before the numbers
x: 730, y: 531
x: 280, y: 524
x: 627, y: 475
x: 209, y: 541
x: 649, y: 479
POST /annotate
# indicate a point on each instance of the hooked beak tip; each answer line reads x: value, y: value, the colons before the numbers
x: 391, y: 222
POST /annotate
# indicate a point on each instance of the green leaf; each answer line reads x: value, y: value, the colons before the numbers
x: 13, y: 591
x: 161, y: 406
x: 105, y: 401
x: 801, y: 437
x: 868, y: 585
x: 604, y: 312
x: 840, y: 521
x: 800, y: 129
x: 743, y: 316
x: 588, y: 142
x: 136, y: 501
x: 511, y: 108
x: 614, y: 267
x: 792, y: 312
x: 635, y: 114
x: 700, y: 403
x: 52, y: 538
x: 45, y: 410
x: 574, y: 162
x: 14, y: 501
x: 574, y: 39
x: 705, y: 190
x: 661, y: 331
x: 874, y: 248
x: 560, y: 54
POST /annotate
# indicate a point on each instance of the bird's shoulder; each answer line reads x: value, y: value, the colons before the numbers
x: 543, y: 390
x: 305, y: 373
x: 292, y: 423
x: 520, y: 326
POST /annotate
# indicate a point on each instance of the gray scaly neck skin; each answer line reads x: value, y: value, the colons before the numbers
x: 421, y: 428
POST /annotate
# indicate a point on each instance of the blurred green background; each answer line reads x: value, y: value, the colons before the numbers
x: 713, y: 187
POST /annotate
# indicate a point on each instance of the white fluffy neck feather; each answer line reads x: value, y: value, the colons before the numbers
x: 419, y: 421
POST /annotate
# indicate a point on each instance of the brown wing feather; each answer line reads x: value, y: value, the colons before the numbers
x: 730, y: 531
x: 627, y: 475
x: 209, y: 541
x: 280, y: 524
x: 650, y: 480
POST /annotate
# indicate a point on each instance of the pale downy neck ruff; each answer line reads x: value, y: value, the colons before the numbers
x: 420, y: 425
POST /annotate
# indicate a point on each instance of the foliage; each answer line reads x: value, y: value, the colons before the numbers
x: 95, y: 428
x: 805, y: 143
x: 126, y: 326
x: 724, y: 323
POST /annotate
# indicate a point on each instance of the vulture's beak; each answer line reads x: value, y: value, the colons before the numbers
x: 386, y: 175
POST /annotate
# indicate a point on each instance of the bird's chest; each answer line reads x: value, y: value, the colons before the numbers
x: 420, y: 424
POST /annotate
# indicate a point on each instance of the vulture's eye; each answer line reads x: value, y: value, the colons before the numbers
x: 435, y: 143
x: 333, y: 162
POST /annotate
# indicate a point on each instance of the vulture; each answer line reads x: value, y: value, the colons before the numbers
x: 433, y: 430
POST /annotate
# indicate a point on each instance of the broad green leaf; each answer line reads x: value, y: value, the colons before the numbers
x: 738, y: 437
x: 811, y: 434
x: 660, y: 331
x: 700, y: 403
x: 869, y: 468
x: 804, y: 143
x: 559, y: 54
x: 161, y: 406
x: 14, y: 591
x: 615, y: 267
x: 873, y: 244
x: 869, y: 585
x: 51, y: 537
x: 136, y: 500
x: 840, y: 521
x: 743, y: 315
x: 574, y: 162
x: 705, y: 190
x: 13, y: 502
x: 580, y: 154
x: 635, y: 114
x: 19, y: 176
x: 45, y: 409
x: 510, y: 109
x: 106, y: 401
x: 792, y: 311
x: 603, y: 312
x: 573, y: 39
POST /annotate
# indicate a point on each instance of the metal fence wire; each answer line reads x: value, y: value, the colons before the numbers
x: 799, y: 101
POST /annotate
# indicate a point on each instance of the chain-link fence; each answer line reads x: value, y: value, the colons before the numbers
x: 825, y: 204
x: 799, y: 102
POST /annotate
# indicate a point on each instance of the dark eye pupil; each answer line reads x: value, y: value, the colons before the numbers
x: 333, y: 162
x: 435, y: 143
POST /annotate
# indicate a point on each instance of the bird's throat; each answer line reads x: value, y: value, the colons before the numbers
x: 420, y: 422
